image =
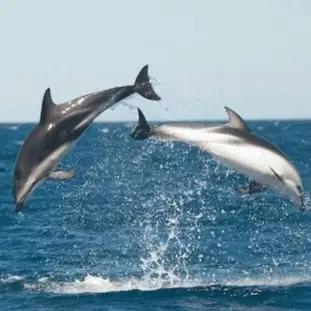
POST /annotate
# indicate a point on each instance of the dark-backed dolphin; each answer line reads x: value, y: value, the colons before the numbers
x: 235, y: 145
x: 58, y: 130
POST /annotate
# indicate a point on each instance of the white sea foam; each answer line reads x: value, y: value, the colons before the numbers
x: 100, y: 284
x: 11, y: 278
x: 12, y: 127
x: 269, y: 281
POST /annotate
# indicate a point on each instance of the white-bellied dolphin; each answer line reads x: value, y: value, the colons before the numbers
x: 58, y: 130
x: 235, y: 145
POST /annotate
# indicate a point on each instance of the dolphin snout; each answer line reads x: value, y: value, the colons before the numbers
x: 19, y: 203
x: 298, y: 201
x: 20, y: 195
x: 302, y: 206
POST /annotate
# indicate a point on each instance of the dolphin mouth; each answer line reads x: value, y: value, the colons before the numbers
x: 19, y: 205
x: 302, y: 206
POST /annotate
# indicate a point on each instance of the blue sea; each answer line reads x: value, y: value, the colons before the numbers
x: 148, y: 225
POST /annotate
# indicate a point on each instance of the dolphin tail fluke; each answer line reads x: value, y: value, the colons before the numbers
x: 19, y: 206
x: 142, y: 130
x: 143, y: 85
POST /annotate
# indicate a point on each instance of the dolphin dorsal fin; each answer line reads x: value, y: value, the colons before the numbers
x: 47, y: 106
x: 236, y: 121
x: 141, y: 118
x: 142, y: 130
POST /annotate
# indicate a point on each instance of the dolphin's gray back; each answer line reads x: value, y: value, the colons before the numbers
x: 161, y: 131
x: 189, y: 124
x: 103, y: 99
x: 242, y: 136
x: 246, y: 137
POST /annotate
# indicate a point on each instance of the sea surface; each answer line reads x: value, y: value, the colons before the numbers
x: 148, y: 225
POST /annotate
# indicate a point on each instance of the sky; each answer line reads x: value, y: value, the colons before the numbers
x: 252, y: 56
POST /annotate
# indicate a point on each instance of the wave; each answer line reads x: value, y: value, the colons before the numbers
x: 100, y: 284
x: 11, y: 279
x: 269, y: 282
x: 12, y: 127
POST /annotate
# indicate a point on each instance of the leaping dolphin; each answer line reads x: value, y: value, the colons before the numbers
x: 59, y: 129
x: 235, y: 145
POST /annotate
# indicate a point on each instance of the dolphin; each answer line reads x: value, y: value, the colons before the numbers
x: 235, y: 145
x: 58, y: 130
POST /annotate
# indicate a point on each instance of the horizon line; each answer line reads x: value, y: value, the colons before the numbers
x: 171, y: 120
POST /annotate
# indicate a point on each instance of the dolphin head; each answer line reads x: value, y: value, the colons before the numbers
x: 37, y: 159
x: 30, y: 170
x: 32, y: 165
x: 23, y: 185
x: 293, y: 190
x: 290, y: 186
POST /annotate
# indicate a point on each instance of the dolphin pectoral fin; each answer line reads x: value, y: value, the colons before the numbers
x: 251, y: 188
x: 62, y: 175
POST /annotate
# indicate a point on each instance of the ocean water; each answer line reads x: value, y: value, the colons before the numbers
x: 148, y: 225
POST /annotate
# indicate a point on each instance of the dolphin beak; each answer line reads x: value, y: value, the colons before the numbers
x: 19, y: 204
x: 299, y: 202
x: 302, y: 204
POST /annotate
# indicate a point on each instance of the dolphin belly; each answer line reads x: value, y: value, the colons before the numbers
x: 245, y: 157
x: 240, y: 154
x: 251, y: 160
x: 51, y: 162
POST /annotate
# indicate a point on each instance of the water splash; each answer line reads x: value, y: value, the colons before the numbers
x: 105, y: 130
x: 156, y: 265
x: 170, y: 226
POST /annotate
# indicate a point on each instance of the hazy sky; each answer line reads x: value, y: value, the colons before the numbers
x: 251, y: 55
